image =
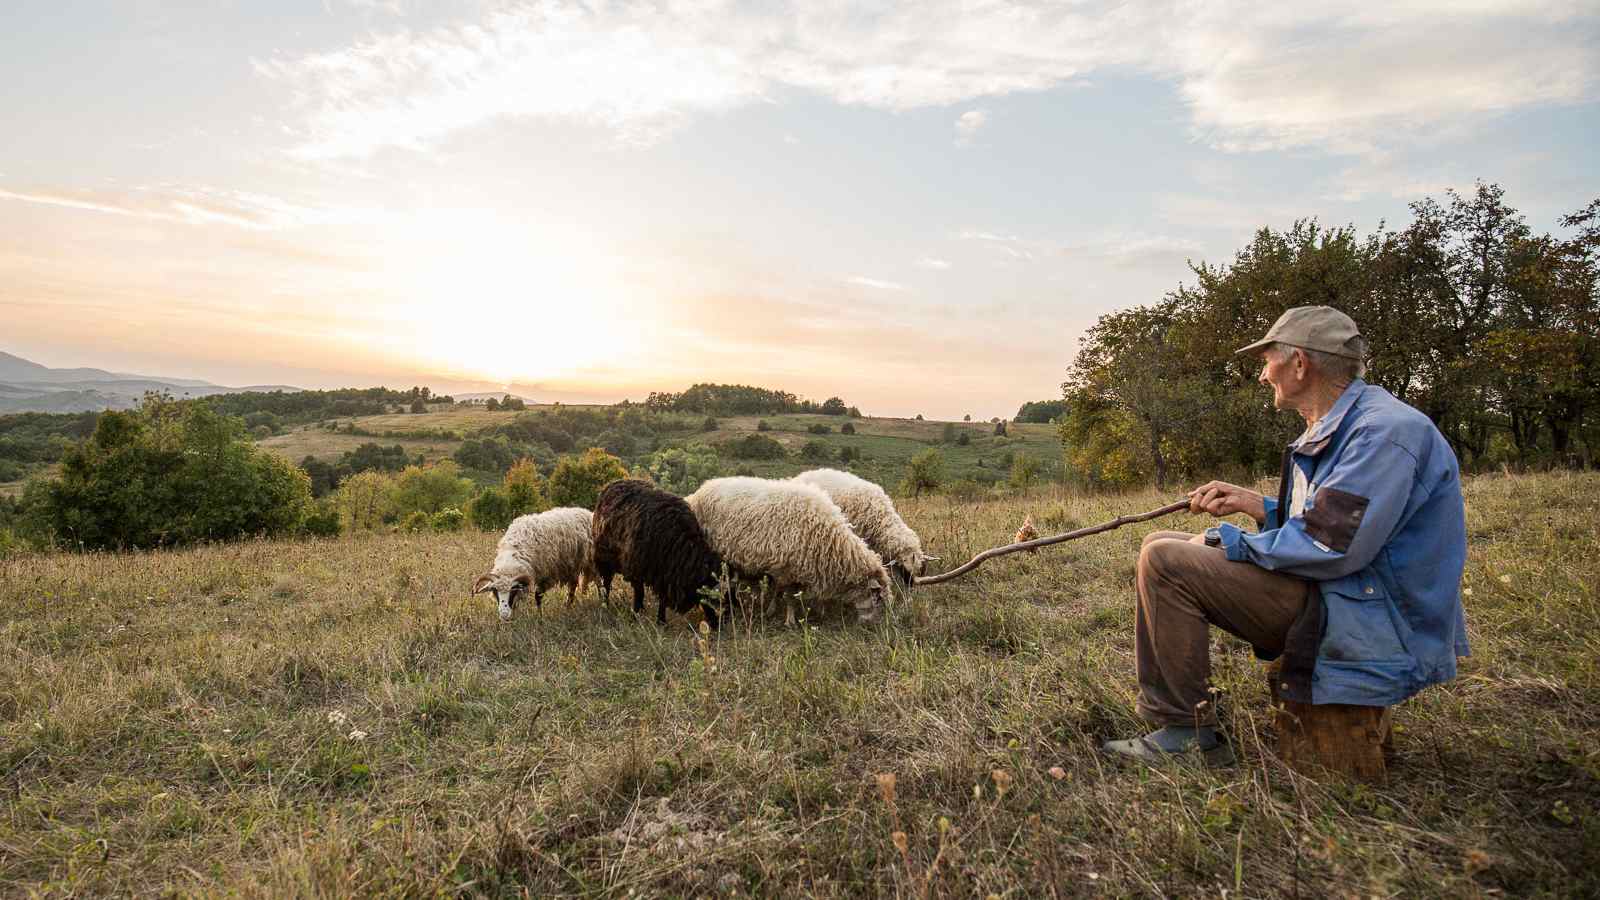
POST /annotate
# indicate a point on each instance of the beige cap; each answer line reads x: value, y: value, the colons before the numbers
x: 1314, y: 328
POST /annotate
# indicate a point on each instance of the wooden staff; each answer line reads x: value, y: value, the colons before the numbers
x: 1118, y: 522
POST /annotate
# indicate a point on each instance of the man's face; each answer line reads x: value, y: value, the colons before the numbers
x: 1286, y: 375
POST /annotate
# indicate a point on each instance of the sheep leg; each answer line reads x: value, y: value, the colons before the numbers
x: 605, y: 588
x: 538, y: 598
x: 711, y: 615
x: 661, y: 608
x: 638, y: 596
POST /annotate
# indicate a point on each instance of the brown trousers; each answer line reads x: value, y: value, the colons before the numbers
x: 1184, y: 588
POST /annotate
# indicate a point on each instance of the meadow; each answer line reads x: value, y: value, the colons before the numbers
x: 886, y: 444
x: 337, y: 717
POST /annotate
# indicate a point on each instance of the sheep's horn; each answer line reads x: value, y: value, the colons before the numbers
x: 482, y: 584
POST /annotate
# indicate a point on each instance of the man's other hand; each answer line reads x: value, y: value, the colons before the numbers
x: 1220, y: 498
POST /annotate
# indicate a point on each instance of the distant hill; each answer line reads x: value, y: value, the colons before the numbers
x: 498, y: 395
x: 27, y: 386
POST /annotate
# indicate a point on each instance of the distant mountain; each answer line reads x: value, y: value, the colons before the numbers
x: 485, y: 395
x: 26, y: 386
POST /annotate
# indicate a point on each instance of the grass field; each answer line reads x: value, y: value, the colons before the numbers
x: 887, y: 445
x: 339, y: 718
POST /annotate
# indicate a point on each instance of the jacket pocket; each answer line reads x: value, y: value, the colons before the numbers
x: 1361, y: 622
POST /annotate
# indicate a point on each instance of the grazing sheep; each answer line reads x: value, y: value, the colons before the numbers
x: 794, y: 535
x: 872, y: 514
x: 537, y: 552
x: 653, y: 540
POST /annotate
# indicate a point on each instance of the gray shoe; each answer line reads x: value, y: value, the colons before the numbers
x: 1144, y: 749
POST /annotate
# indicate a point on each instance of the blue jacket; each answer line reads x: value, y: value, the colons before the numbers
x: 1383, y: 535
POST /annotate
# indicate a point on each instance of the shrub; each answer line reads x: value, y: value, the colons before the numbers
x: 754, y: 446
x: 854, y: 412
x: 763, y: 426
x: 682, y: 470
x: 417, y: 406
x: 926, y: 472
x: 322, y: 520
x: 492, y: 404
x: 365, y: 501
x: 447, y: 519
x: 710, y: 424
x: 1000, y: 428
x: 819, y: 428
x: 832, y: 406
x: 490, y: 510
x: 172, y: 472
x: 948, y: 434
x: 432, y: 488
x: 526, y: 490
x: 919, y: 417
x: 577, y: 480
x: 964, y: 438
x: 1024, y: 470
x: 849, y: 454
x: 416, y: 523
x: 847, y: 428
x: 817, y: 451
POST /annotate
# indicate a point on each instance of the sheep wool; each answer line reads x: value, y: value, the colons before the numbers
x: 652, y: 539
x: 538, y: 552
x: 872, y: 514
x: 793, y: 534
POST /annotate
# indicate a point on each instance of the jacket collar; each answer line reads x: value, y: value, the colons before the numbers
x: 1316, y: 440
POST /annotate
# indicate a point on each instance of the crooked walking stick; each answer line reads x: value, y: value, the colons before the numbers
x: 1118, y: 522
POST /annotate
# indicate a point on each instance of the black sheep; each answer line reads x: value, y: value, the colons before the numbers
x: 651, y: 539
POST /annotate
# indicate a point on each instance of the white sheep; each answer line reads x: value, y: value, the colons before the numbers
x: 872, y: 514
x: 538, y: 552
x: 792, y: 534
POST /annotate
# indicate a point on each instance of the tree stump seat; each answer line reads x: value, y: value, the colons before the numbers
x: 1349, y: 740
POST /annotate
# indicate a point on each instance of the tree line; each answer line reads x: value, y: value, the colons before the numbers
x: 743, y: 400
x: 1491, y: 329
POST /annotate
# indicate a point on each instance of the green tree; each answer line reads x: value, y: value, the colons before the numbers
x: 172, y: 472
x: 754, y: 446
x: 577, y: 480
x: 431, y: 488
x: 833, y: 406
x: 365, y: 501
x: 1024, y: 471
x: 683, y: 470
x: 847, y: 428
x: 926, y: 473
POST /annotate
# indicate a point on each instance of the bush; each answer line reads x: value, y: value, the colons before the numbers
x: 526, y: 490
x: 416, y: 523
x: 763, y: 426
x: 854, y: 412
x: 964, y: 438
x: 417, y: 406
x: 847, y: 428
x: 1000, y: 428
x: 819, y: 428
x: 710, y: 424
x: 754, y: 446
x: 919, y: 417
x: 816, y: 451
x: 322, y: 520
x: 948, y: 434
x: 448, y: 519
x: 577, y: 480
x: 172, y: 472
x: 431, y: 489
x: 1024, y: 471
x: 682, y: 470
x: 849, y: 454
x: 490, y: 510
x: 926, y: 472
x: 365, y: 501
x: 833, y: 406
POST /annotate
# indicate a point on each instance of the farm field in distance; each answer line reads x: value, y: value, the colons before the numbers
x: 887, y: 444
x: 339, y: 718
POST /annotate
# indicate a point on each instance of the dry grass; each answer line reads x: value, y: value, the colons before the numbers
x: 339, y: 718
x: 329, y: 446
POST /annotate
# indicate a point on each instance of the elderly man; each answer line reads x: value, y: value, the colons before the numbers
x: 1353, y: 576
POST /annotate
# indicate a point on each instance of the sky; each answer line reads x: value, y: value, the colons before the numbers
x: 918, y: 207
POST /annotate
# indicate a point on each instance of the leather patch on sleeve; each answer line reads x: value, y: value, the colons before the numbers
x: 1335, y: 517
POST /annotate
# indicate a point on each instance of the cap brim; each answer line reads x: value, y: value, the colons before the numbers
x: 1262, y: 344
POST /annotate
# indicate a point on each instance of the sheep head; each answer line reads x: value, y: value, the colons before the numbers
x: 507, y: 590
x: 872, y: 595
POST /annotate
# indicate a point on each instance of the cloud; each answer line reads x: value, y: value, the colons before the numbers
x: 1012, y: 246
x: 1134, y: 249
x: 968, y: 124
x: 190, y: 206
x: 1345, y: 76
x: 929, y: 262
x: 874, y: 283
